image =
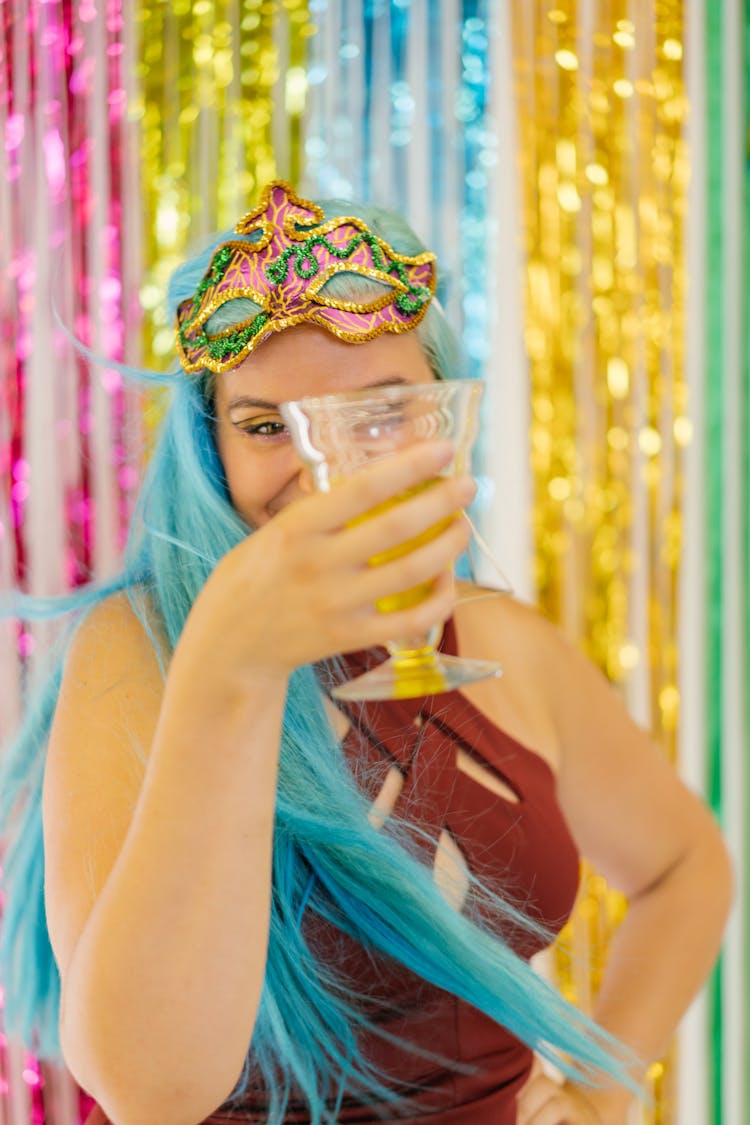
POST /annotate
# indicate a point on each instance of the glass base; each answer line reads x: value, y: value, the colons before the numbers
x: 411, y: 675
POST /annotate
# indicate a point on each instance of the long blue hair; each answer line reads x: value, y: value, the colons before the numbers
x: 327, y: 858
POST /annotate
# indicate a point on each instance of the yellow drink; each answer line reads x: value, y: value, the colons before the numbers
x: 415, y: 594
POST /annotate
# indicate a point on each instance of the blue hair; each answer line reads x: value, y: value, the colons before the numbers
x: 327, y: 858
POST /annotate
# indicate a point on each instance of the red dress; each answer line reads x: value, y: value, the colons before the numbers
x: 522, y: 845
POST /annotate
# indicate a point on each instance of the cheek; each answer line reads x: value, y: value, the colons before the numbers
x: 255, y: 477
x: 238, y: 468
x: 222, y: 444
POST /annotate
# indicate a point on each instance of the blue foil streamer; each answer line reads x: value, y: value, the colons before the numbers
x: 463, y: 242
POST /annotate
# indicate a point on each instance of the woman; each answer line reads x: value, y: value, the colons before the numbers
x: 261, y: 905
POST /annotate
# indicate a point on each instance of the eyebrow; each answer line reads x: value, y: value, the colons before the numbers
x: 264, y: 404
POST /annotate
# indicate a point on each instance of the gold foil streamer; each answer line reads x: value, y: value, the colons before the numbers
x: 604, y: 167
x: 219, y: 118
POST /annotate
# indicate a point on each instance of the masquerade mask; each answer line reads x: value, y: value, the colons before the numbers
x: 283, y: 264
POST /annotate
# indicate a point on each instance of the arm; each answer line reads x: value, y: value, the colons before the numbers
x: 158, y: 879
x: 653, y: 840
x: 168, y: 967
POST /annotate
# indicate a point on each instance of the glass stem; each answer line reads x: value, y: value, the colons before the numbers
x: 416, y: 649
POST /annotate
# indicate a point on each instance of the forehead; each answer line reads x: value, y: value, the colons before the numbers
x: 307, y: 360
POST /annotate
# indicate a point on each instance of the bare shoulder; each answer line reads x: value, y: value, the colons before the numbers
x: 503, y: 620
x: 122, y: 634
x: 111, y: 690
x: 572, y: 690
x: 534, y: 637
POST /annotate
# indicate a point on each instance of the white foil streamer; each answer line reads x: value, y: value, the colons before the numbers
x: 419, y: 163
x: 693, y: 1097
x: 452, y: 169
x: 507, y: 525
x: 734, y: 741
x: 104, y: 483
x: 381, y: 186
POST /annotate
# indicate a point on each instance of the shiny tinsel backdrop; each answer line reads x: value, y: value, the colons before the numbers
x: 604, y: 206
x: 592, y: 231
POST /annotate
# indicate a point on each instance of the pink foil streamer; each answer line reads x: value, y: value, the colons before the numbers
x: 58, y: 241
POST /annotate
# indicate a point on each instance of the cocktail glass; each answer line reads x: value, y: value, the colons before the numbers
x: 339, y: 433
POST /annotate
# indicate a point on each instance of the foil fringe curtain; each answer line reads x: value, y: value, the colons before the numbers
x: 66, y: 429
x: 604, y: 172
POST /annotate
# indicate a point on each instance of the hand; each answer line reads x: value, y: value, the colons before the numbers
x: 300, y: 589
x: 543, y: 1101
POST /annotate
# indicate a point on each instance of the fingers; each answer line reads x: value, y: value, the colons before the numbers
x: 543, y: 1101
x: 376, y: 483
x: 328, y: 549
x: 420, y: 565
x: 356, y: 594
x: 394, y: 544
x: 402, y: 525
x: 376, y: 628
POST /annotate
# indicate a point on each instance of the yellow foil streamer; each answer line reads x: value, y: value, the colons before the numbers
x: 604, y: 167
x: 219, y: 117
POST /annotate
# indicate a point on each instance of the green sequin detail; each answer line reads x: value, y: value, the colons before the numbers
x: 277, y: 271
x: 219, y: 265
x: 221, y: 347
x: 302, y: 270
x: 233, y: 344
x: 411, y: 302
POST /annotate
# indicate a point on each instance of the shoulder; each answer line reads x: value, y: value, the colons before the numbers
x: 497, y: 618
x: 122, y: 633
x: 112, y: 682
x: 556, y: 675
x: 130, y: 613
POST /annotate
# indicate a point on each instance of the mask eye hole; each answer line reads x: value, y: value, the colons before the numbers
x: 234, y: 314
x: 345, y: 288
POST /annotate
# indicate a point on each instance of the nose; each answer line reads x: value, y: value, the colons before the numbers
x: 304, y: 479
x: 301, y: 471
x: 294, y: 481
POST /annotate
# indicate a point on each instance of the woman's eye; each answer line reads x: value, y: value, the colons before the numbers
x: 265, y: 429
